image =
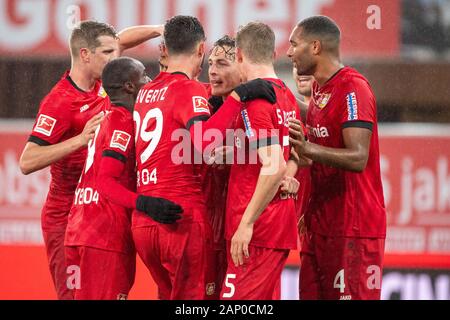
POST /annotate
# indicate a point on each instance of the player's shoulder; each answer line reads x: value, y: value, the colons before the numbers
x: 353, y: 79
x: 119, y: 115
x: 62, y: 92
x: 189, y: 86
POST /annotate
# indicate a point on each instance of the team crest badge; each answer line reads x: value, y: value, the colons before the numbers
x: 210, y: 288
x: 45, y: 125
x: 120, y: 140
x: 323, y: 101
x: 102, y: 93
x: 122, y: 296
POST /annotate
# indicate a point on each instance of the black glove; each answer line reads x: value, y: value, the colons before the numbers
x: 256, y: 89
x: 159, y: 209
x: 216, y: 102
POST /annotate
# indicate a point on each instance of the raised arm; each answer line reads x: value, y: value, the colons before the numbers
x: 134, y: 36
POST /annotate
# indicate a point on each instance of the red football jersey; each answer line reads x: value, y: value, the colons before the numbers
x: 264, y: 124
x: 345, y: 203
x: 164, y: 109
x: 62, y: 115
x: 93, y: 220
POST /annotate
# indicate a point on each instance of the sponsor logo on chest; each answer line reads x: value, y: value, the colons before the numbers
x: 318, y: 131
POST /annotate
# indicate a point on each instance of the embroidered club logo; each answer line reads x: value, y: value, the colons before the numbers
x: 200, y: 104
x: 122, y: 296
x: 45, y: 125
x: 210, y: 288
x: 323, y: 101
x: 120, y: 140
x: 102, y: 93
x: 352, y: 106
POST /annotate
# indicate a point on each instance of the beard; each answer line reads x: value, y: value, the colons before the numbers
x: 305, y: 68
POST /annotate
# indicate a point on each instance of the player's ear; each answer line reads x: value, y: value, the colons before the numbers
x: 316, y: 47
x: 239, y: 57
x: 85, y: 55
x: 129, y: 87
x: 201, y: 49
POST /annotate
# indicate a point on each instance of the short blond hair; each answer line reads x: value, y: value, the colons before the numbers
x: 257, y: 42
x: 86, y: 34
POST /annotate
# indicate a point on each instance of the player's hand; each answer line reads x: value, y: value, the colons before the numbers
x: 159, y: 209
x: 301, y: 226
x: 296, y: 136
x: 216, y: 102
x: 240, y: 242
x: 256, y: 89
x: 220, y: 154
x: 90, y: 127
x: 290, y: 185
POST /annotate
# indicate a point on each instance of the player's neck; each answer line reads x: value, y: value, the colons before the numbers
x: 182, y: 64
x: 83, y: 79
x: 259, y: 71
x: 327, y: 70
x: 124, y: 101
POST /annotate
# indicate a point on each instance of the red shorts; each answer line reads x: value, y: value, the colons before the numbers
x: 258, y: 278
x: 340, y: 268
x: 219, y: 267
x: 96, y: 274
x: 54, y: 244
x: 180, y: 259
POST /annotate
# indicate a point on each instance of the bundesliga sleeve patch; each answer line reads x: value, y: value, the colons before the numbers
x: 45, y: 125
x: 120, y: 140
x: 200, y: 104
x: 352, y: 106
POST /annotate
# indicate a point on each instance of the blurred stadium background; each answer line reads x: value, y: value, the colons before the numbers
x: 402, y: 47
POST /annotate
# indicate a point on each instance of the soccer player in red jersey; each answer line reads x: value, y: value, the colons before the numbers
x: 171, y: 107
x: 343, y: 251
x: 223, y: 78
x: 67, y: 119
x: 99, y: 245
x: 260, y: 222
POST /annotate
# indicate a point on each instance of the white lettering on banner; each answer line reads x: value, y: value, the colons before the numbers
x: 31, y: 32
x: 129, y: 12
x: 384, y: 167
x: 413, y: 286
x: 156, y: 12
x: 17, y: 189
x: 19, y: 231
x: 274, y: 12
x: 96, y: 10
x: 279, y: 14
x: 439, y: 240
x: 307, y: 9
x: 405, y: 239
x: 215, y: 21
x: 424, y: 190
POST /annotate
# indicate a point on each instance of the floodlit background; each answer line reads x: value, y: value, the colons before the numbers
x: 402, y: 47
